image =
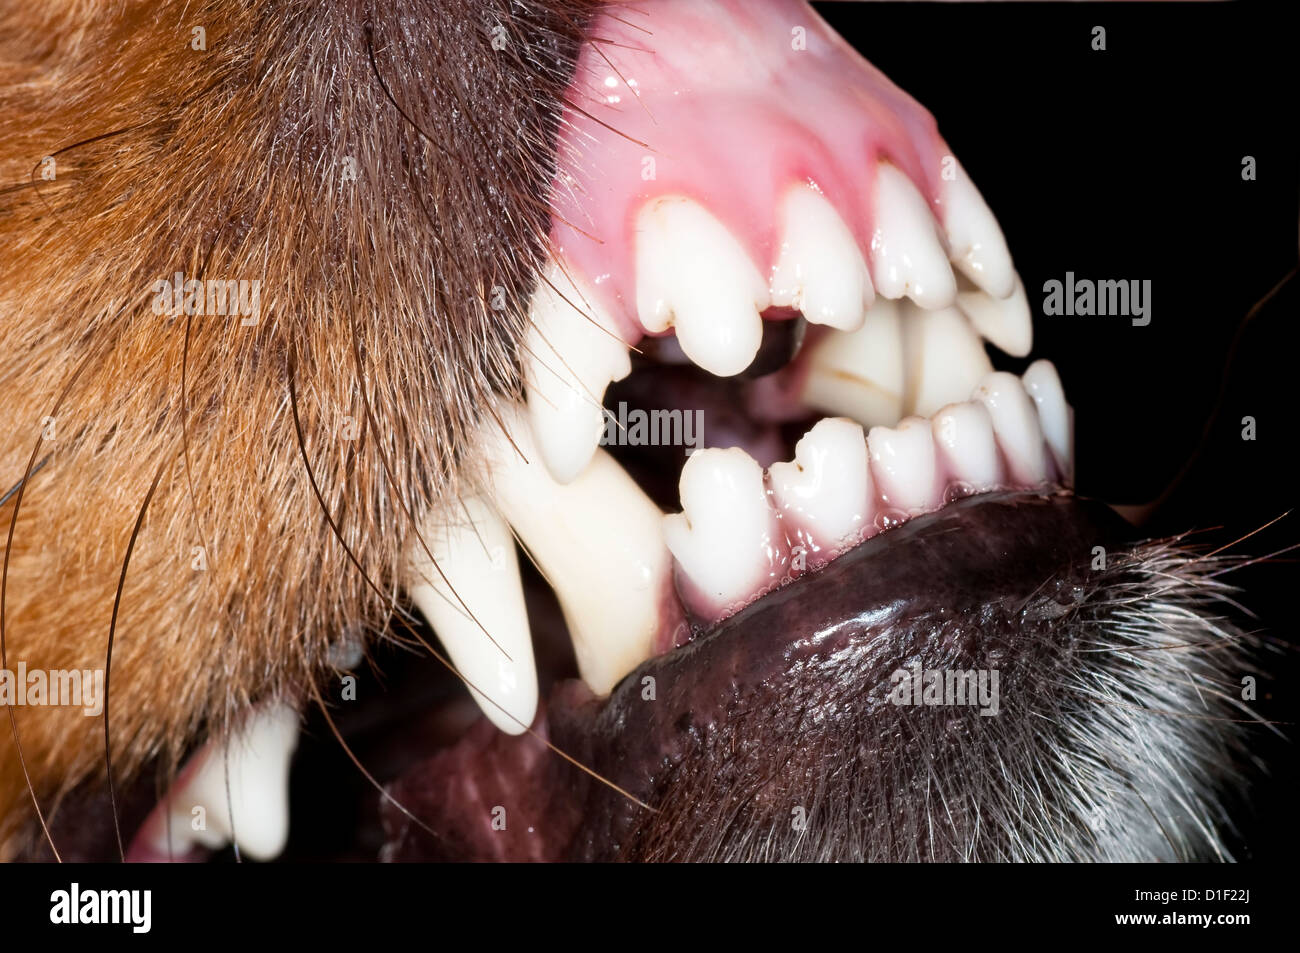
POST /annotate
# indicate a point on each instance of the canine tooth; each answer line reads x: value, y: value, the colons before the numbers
x: 597, y: 542
x: 1057, y: 419
x: 1007, y: 323
x: 975, y: 240
x: 906, y: 255
x: 572, y: 357
x: 481, y: 596
x: 826, y: 491
x: 945, y: 358
x: 963, y: 434
x: 1015, y: 422
x: 694, y: 275
x: 859, y: 374
x: 903, y: 464
x: 820, y: 270
x: 726, y: 534
x: 254, y: 766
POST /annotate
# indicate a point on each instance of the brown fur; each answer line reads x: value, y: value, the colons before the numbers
x: 229, y: 164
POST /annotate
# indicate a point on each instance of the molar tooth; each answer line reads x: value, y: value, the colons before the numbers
x: 1056, y: 416
x: 481, y: 596
x: 597, y: 542
x: 859, y: 374
x: 572, y: 357
x: 945, y: 358
x: 903, y: 464
x: 826, y: 491
x: 255, y: 762
x: 820, y: 270
x: 694, y: 275
x: 963, y: 434
x: 975, y: 240
x: 1007, y: 323
x: 907, y: 257
x: 1015, y: 422
x: 726, y: 539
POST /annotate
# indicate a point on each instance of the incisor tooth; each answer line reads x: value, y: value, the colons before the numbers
x: 820, y: 270
x: 480, y: 596
x: 963, y: 434
x: 975, y: 240
x: 859, y: 374
x: 945, y: 358
x: 1007, y: 322
x: 1056, y: 416
x: 572, y: 355
x: 598, y: 543
x: 906, y: 255
x: 826, y: 491
x: 1015, y: 422
x: 694, y: 275
x: 903, y: 466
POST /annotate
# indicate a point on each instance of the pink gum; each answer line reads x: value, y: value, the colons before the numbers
x: 732, y: 116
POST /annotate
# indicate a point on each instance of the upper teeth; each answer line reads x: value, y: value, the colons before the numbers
x: 820, y: 270
x: 975, y: 240
x: 907, y: 257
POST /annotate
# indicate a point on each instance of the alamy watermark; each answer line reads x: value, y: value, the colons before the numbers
x: 54, y: 688
x: 214, y: 296
x: 1086, y: 297
x: 653, y: 428
x: 915, y: 685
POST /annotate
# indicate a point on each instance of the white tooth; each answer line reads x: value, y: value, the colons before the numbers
x: 903, y: 464
x: 694, y: 275
x: 826, y: 491
x: 597, y: 542
x: 473, y: 598
x: 967, y: 448
x: 1015, y: 421
x: 820, y: 270
x: 254, y: 766
x: 975, y: 239
x: 906, y: 255
x: 726, y: 532
x: 1007, y: 323
x: 859, y: 374
x: 573, y: 352
x: 1057, y: 418
x: 945, y: 358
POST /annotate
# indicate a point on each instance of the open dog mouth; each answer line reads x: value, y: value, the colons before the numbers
x: 828, y: 590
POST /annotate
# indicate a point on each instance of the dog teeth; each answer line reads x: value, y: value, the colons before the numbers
x: 1056, y: 416
x: 945, y: 358
x: 1015, y: 423
x: 820, y: 270
x: 572, y: 355
x: 1007, y: 323
x: 726, y: 539
x: 825, y: 494
x: 975, y: 240
x: 597, y: 542
x: 907, y: 257
x: 903, y: 466
x: 692, y: 274
x: 859, y: 374
x: 474, y: 601
x: 967, y: 448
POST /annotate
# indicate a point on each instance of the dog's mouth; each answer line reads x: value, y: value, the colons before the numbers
x: 878, y: 578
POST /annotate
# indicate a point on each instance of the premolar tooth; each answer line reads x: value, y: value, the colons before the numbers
x: 963, y: 434
x: 945, y: 358
x: 820, y: 270
x: 903, y: 465
x: 975, y: 240
x: 826, y: 491
x: 726, y: 539
x: 597, y: 541
x: 1007, y: 322
x: 906, y: 255
x: 572, y: 357
x: 859, y: 374
x: 480, y: 596
x: 694, y: 275
x: 1056, y: 416
x: 254, y: 766
x: 1015, y: 422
